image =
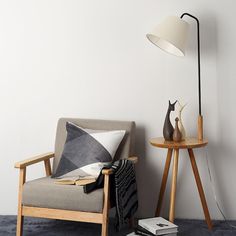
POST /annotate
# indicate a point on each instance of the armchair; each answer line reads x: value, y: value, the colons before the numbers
x: 43, y: 198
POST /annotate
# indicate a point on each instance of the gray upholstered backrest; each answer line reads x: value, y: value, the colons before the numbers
x: 125, y: 149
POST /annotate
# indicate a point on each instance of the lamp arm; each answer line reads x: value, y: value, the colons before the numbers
x: 199, y: 65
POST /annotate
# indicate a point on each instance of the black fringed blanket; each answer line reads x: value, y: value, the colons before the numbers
x: 123, y: 190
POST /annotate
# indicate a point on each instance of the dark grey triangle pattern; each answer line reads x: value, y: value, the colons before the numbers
x: 65, y: 166
x: 80, y: 149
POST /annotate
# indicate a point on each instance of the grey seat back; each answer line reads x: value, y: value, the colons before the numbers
x: 125, y: 149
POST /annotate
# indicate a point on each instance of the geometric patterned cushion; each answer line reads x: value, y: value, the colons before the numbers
x: 87, y: 151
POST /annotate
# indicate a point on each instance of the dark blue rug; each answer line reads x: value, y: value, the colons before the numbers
x: 36, y: 226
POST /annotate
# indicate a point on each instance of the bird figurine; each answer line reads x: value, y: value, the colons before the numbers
x: 177, y: 136
x: 181, y: 127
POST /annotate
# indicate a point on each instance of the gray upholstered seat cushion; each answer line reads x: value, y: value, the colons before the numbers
x: 45, y: 193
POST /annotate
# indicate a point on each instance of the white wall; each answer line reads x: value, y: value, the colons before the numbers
x: 91, y: 59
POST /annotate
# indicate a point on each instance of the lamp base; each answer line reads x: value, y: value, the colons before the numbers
x: 200, y: 128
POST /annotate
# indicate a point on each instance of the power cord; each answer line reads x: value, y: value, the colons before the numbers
x: 214, y: 193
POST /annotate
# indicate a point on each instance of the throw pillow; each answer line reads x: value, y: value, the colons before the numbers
x: 86, y: 151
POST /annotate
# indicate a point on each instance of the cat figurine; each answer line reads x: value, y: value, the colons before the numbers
x: 168, y: 129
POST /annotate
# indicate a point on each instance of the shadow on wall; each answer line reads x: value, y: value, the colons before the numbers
x: 146, y: 173
x: 208, y: 35
x: 219, y: 151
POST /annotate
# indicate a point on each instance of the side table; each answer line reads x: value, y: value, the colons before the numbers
x: 190, y: 144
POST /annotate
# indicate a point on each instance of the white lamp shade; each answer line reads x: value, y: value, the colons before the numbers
x: 170, y: 35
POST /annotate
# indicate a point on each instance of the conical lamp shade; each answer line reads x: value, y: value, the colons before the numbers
x: 170, y: 35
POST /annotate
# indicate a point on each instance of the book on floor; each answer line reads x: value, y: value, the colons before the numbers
x: 158, y: 226
x: 76, y: 180
x: 143, y: 232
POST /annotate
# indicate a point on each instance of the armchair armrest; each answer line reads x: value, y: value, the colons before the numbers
x: 33, y: 160
x: 110, y: 171
x: 107, y: 171
x: 133, y: 159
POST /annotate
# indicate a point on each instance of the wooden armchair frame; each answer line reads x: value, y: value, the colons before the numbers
x: 91, y: 217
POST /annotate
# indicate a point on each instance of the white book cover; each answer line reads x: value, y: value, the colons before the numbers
x: 134, y: 234
x: 158, y: 226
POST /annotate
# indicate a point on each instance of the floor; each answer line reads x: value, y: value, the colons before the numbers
x: 34, y: 227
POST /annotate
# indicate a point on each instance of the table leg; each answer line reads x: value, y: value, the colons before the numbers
x: 173, y: 186
x: 200, y: 188
x: 163, y: 182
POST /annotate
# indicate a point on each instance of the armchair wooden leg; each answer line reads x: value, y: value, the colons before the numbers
x: 20, y: 217
x: 105, y: 227
x: 106, y: 207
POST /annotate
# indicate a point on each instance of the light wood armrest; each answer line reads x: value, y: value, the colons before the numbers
x: 107, y: 171
x: 33, y: 160
x: 110, y: 171
x: 133, y: 159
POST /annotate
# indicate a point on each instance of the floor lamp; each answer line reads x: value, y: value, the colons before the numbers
x: 171, y: 36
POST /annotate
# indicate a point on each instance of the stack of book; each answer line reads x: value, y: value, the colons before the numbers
x: 155, y: 226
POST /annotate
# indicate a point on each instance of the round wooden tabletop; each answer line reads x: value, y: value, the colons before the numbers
x: 187, y: 143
